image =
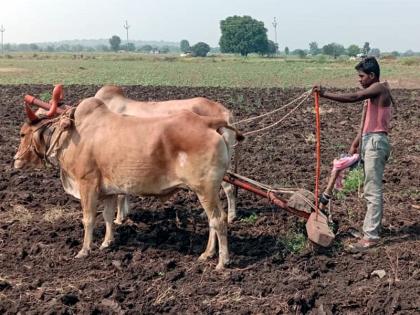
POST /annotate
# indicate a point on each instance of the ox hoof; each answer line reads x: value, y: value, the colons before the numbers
x: 232, y: 218
x: 105, y: 245
x: 220, y: 267
x: 118, y: 221
x: 204, y: 256
x: 222, y: 264
x: 83, y: 253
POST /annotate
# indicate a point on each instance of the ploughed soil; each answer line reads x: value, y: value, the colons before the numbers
x: 152, y: 266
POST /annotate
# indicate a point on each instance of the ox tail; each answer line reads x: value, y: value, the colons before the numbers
x: 219, y: 124
x: 239, y: 136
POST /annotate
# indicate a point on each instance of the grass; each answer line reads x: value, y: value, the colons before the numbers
x: 170, y: 70
x: 294, y: 242
x: 352, y: 181
x: 251, y: 219
x: 45, y: 96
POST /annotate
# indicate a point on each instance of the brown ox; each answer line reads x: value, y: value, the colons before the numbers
x: 115, y: 100
x: 102, y: 154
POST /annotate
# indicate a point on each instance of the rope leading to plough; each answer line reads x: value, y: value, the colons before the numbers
x: 303, y: 95
x: 302, y: 99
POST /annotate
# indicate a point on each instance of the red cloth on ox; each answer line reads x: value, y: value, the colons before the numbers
x: 341, y: 164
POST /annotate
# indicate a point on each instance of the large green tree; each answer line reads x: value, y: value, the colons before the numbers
x: 115, y: 42
x: 200, y: 49
x: 243, y: 35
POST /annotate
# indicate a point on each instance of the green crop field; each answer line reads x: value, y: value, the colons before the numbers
x: 225, y: 71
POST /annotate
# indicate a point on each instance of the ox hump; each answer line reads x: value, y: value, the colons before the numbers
x: 108, y: 92
x: 89, y: 106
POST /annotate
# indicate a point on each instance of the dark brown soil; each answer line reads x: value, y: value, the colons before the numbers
x: 153, y: 268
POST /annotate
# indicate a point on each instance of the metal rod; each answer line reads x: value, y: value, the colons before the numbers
x: 266, y: 194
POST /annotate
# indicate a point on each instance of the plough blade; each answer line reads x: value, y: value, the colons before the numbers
x: 318, y: 229
x: 317, y: 226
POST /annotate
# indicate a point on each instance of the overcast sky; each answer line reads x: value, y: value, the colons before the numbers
x: 386, y: 24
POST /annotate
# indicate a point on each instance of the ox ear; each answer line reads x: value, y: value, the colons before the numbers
x: 31, y: 115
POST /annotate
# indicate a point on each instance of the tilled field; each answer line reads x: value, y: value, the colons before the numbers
x: 152, y: 266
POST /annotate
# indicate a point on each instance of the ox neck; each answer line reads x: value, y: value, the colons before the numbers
x: 47, y: 136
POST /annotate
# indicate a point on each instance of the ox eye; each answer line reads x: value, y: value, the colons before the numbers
x: 22, y: 135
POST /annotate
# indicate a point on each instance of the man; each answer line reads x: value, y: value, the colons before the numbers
x: 373, y: 137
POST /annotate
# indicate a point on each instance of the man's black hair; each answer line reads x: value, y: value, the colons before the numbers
x: 369, y: 65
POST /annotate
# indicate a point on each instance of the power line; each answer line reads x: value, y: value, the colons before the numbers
x: 275, y: 30
x: 126, y: 26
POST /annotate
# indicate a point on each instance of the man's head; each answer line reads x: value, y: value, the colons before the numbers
x: 369, y: 71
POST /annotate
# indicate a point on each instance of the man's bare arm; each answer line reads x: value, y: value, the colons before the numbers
x: 361, y: 95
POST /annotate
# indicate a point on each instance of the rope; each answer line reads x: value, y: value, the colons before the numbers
x: 305, y: 94
x: 280, y: 120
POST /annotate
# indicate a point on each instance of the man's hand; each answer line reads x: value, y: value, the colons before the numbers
x: 353, y: 149
x: 320, y: 89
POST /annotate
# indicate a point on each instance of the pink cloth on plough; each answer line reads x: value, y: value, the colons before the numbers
x: 341, y: 164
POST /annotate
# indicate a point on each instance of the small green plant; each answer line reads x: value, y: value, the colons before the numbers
x: 294, y: 242
x: 251, y: 219
x: 352, y: 181
x: 45, y: 96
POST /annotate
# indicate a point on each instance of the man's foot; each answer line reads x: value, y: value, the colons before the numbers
x: 363, y: 244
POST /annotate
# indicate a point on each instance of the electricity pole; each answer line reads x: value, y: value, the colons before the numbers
x: 2, y: 30
x: 126, y: 26
x: 275, y: 30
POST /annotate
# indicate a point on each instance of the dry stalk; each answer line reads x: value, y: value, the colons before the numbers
x: 393, y: 266
x: 164, y: 296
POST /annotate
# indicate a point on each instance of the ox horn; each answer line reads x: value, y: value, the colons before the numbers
x: 31, y: 115
x: 57, y: 95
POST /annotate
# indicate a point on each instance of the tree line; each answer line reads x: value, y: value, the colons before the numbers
x: 239, y: 35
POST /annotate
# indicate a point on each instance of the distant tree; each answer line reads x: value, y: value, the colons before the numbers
x: 49, y: 48
x: 313, y: 48
x: 184, y: 46
x: 22, y: 47
x: 63, y: 47
x: 101, y: 48
x: 243, y: 35
x: 395, y: 53
x: 333, y: 49
x: 165, y: 49
x: 272, y: 48
x: 128, y: 47
x: 200, y: 49
x: 115, y: 42
x: 408, y: 53
x: 33, y: 47
x: 353, y: 50
x: 366, y: 48
x: 77, y: 48
x: 375, y: 52
x: 299, y: 52
x: 146, y: 48
x: 286, y: 51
